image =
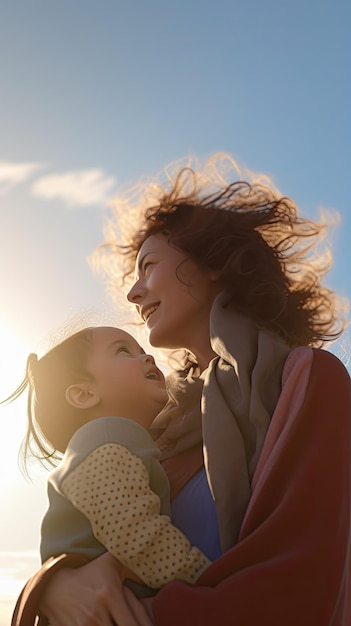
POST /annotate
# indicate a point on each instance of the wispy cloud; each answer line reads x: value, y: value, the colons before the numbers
x: 12, y: 174
x: 80, y: 188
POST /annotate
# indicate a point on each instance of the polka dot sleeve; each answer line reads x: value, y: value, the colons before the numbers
x: 111, y: 487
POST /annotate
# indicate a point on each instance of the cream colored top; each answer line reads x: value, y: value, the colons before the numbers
x: 111, y: 487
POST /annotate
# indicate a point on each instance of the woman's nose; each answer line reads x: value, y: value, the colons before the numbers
x: 135, y: 294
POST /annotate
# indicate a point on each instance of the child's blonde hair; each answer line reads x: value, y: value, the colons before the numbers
x: 52, y: 421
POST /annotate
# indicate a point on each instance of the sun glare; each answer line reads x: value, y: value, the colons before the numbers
x: 12, y: 416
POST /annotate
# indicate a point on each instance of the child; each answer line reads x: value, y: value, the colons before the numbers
x: 93, y: 397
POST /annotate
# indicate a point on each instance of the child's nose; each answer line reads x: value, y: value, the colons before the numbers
x: 148, y: 358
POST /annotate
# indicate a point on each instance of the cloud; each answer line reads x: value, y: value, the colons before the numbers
x: 12, y: 174
x: 80, y: 188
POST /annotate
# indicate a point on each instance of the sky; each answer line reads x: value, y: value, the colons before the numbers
x: 95, y: 95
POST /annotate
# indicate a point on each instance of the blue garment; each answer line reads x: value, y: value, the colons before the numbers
x: 193, y: 511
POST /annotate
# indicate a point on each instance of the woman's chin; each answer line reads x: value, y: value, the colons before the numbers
x: 163, y: 338
x: 156, y: 338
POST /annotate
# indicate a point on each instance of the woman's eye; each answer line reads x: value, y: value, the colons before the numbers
x: 147, y: 265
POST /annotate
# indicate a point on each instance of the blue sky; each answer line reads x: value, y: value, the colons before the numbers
x: 96, y: 94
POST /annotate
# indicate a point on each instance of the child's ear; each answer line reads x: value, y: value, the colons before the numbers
x: 82, y: 396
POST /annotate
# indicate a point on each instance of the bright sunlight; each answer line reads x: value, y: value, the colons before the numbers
x: 13, y: 354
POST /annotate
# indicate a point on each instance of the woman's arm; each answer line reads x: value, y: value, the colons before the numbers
x: 93, y: 596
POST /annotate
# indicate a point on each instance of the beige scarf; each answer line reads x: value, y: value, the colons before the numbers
x: 236, y: 395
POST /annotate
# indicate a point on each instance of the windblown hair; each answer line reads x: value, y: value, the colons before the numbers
x: 265, y: 253
x: 52, y: 421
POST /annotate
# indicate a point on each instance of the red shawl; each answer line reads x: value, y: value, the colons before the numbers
x: 291, y: 565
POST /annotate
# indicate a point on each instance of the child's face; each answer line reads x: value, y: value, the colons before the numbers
x: 126, y: 379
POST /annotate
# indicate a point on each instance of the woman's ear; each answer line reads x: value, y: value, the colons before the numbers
x: 214, y: 275
x: 82, y: 396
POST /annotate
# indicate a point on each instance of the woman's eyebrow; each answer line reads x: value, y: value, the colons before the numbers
x: 141, y: 260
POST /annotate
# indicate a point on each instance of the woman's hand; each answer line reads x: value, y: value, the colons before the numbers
x: 92, y: 595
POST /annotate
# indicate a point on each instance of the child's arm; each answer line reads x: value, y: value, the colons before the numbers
x: 111, y: 487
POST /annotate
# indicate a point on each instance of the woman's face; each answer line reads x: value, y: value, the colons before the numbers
x: 173, y: 295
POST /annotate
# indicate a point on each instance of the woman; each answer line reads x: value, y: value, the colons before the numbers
x: 225, y: 272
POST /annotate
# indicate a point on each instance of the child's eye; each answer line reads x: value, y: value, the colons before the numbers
x: 123, y: 349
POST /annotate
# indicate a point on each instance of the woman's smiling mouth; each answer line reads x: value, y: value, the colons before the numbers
x: 147, y: 311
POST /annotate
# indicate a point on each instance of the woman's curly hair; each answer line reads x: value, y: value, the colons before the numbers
x: 265, y: 253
